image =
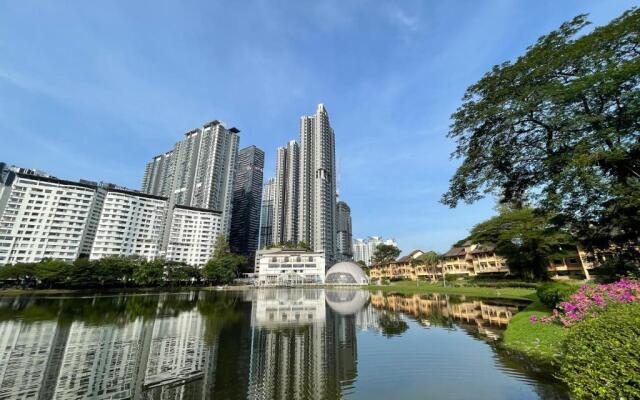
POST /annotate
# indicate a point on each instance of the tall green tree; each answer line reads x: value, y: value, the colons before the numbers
x: 223, y: 267
x: 560, y: 128
x: 525, y: 237
x: 149, y: 273
x: 385, y: 253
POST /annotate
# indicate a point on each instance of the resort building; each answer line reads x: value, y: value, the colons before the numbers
x: 286, y: 267
x: 473, y: 259
x: 191, y: 234
x: 44, y: 217
x: 130, y: 223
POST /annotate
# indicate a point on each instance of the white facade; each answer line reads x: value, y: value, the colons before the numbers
x: 130, y: 223
x: 364, y: 249
x: 289, y: 267
x: 199, y: 171
x: 285, y: 211
x: 317, y: 190
x: 266, y: 213
x: 191, y: 235
x: 43, y: 217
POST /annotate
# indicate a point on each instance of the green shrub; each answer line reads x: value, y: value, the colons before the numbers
x: 553, y: 293
x: 602, y: 355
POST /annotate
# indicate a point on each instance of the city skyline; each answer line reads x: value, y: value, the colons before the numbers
x: 119, y: 84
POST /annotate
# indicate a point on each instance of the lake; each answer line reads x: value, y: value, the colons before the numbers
x: 263, y: 344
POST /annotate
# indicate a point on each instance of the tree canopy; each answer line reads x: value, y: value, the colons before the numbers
x: 385, y: 253
x: 525, y: 237
x: 224, y: 266
x: 560, y: 128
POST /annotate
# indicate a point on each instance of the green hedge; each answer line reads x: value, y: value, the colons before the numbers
x: 602, y: 355
x: 552, y: 293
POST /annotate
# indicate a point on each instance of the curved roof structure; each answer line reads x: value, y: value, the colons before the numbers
x: 346, y: 273
x: 346, y: 301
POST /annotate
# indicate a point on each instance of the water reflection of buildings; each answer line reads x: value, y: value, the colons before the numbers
x: 60, y: 360
x: 302, y: 345
x: 489, y: 317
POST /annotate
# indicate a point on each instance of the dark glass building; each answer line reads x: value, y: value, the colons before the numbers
x: 247, y: 195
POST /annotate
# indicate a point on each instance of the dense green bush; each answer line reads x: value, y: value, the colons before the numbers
x: 602, y: 355
x: 552, y: 293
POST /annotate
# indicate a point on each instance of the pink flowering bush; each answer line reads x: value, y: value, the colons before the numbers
x: 590, y: 300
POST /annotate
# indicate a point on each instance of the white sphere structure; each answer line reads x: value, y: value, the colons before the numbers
x: 346, y: 301
x: 346, y: 273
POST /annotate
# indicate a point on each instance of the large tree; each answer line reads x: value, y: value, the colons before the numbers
x: 525, y: 237
x: 560, y: 128
x: 223, y: 267
x: 385, y: 253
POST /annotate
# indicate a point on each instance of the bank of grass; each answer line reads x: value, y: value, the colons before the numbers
x: 412, y: 287
x: 541, y: 342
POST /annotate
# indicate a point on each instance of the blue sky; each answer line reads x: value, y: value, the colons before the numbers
x: 95, y: 89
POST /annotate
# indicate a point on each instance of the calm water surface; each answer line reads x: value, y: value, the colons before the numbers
x: 262, y: 344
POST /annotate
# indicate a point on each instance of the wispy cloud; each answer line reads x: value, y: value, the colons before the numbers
x: 404, y: 20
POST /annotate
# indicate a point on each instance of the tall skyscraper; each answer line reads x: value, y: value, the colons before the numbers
x: 317, y: 193
x: 344, y: 236
x: 247, y: 191
x: 266, y: 214
x: 199, y: 171
x: 285, y: 212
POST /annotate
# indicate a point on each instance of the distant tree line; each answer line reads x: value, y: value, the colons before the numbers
x: 123, y: 272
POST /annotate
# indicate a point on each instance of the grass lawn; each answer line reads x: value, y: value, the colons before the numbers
x: 410, y: 287
x: 536, y: 340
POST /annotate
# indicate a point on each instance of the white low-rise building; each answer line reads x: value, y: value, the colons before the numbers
x: 286, y: 267
x: 130, y: 223
x: 192, y: 234
x: 44, y: 217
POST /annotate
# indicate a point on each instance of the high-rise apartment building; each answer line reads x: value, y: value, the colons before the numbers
x: 266, y: 213
x: 247, y: 191
x: 44, y: 217
x: 285, y: 211
x: 130, y: 223
x: 343, y: 232
x: 190, y: 235
x: 199, y: 171
x: 317, y: 188
x: 364, y: 249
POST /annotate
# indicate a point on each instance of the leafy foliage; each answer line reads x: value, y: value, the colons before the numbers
x: 525, y: 237
x: 223, y: 268
x: 602, y: 355
x: 559, y: 127
x: 108, y: 272
x: 553, y: 293
x: 385, y: 253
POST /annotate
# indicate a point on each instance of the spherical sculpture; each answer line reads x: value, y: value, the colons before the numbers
x: 346, y: 273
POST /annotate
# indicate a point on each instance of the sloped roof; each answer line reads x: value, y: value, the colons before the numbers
x: 484, y: 248
x: 455, y: 252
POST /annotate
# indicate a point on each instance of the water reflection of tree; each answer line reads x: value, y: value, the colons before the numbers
x: 217, y: 310
x: 391, y: 324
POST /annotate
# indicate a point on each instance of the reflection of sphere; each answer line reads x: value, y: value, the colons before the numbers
x: 346, y: 302
x: 346, y: 273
